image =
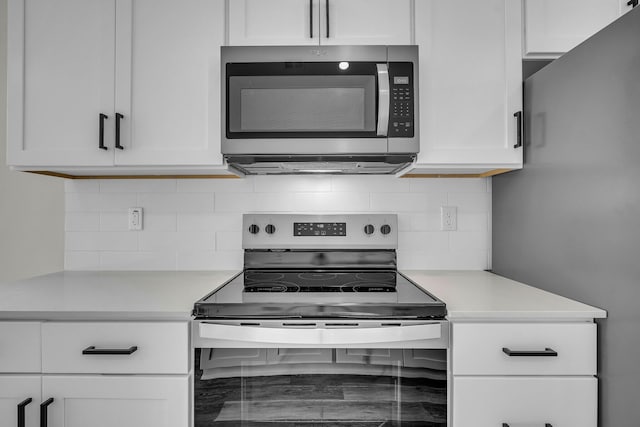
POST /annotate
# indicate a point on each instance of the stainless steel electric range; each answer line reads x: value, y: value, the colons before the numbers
x: 320, y: 305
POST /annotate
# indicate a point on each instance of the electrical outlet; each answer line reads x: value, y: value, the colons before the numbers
x: 448, y: 218
x: 135, y: 219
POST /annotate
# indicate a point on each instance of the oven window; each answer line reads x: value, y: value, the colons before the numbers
x: 301, y: 104
x: 327, y: 387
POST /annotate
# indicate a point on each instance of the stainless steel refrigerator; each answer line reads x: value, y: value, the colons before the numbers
x: 569, y: 222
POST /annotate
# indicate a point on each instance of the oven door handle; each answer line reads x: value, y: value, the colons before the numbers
x: 383, y: 99
x: 320, y: 336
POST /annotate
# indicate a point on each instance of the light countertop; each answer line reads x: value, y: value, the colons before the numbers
x: 480, y: 295
x: 109, y: 295
x: 169, y: 295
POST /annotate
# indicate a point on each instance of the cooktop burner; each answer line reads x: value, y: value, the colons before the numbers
x: 343, y: 281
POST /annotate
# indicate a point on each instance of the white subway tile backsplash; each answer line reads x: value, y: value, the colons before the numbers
x: 137, y: 185
x: 226, y: 185
x: 176, y: 202
x: 81, y: 221
x: 471, y: 202
x: 366, y: 184
x: 98, y: 241
x: 159, y: 221
x: 231, y: 260
x: 138, y: 260
x: 229, y: 241
x: 114, y: 221
x: 210, y: 222
x: 196, y: 224
x: 468, y: 240
x: 284, y: 184
x: 82, y: 260
x: 152, y: 241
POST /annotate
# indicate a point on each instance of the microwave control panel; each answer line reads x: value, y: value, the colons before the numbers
x: 401, y: 88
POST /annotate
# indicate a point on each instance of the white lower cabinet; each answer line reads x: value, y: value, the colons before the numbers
x: 525, y: 401
x: 15, y: 392
x: 123, y: 401
x: 524, y: 374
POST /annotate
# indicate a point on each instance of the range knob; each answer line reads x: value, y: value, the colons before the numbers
x: 254, y: 229
x: 385, y: 229
x: 369, y: 229
x: 270, y: 229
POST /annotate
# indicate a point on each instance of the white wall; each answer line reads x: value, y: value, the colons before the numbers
x: 31, y: 206
x: 196, y: 224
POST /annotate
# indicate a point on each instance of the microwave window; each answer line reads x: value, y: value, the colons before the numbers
x: 302, y: 104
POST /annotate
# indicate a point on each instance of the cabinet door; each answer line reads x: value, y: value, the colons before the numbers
x: 470, y: 83
x: 553, y: 27
x: 107, y: 401
x: 168, y: 81
x: 15, y: 390
x: 383, y: 22
x: 60, y: 79
x: 273, y: 22
x: 525, y: 401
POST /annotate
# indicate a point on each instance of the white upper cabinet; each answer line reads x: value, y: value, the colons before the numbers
x: 168, y: 81
x: 61, y: 78
x: 273, y: 22
x: 553, y: 27
x: 313, y: 22
x: 470, y: 85
x: 88, y: 75
x: 355, y: 22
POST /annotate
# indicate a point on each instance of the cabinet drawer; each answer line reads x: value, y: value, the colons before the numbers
x: 520, y: 401
x: 480, y: 349
x: 160, y: 348
x: 19, y: 347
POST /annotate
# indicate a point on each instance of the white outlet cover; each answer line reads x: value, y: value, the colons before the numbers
x: 135, y: 219
x: 448, y: 218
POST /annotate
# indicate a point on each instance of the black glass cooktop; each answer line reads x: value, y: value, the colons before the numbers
x: 290, y: 294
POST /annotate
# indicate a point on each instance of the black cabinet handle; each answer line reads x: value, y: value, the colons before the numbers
x: 326, y: 9
x: 92, y: 350
x: 310, y: 19
x: 118, y: 118
x: 632, y: 3
x: 101, y: 146
x: 546, y: 352
x: 545, y: 425
x: 43, y: 411
x: 21, y: 411
x: 518, y: 117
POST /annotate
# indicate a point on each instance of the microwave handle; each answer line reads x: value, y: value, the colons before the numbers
x: 383, y: 99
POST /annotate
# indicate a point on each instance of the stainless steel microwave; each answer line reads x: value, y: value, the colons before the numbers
x: 331, y: 109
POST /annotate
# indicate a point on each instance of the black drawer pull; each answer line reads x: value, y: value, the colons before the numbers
x: 118, y: 118
x: 21, y: 411
x: 545, y: 425
x: 546, y: 352
x: 518, y: 117
x: 92, y: 350
x: 101, y: 145
x: 43, y: 411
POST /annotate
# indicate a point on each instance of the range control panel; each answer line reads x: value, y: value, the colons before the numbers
x: 319, y: 228
x: 401, y: 118
x: 308, y: 231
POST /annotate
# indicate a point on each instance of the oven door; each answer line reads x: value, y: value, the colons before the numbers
x: 331, y: 374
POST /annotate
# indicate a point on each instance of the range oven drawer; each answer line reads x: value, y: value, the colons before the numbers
x: 115, y: 347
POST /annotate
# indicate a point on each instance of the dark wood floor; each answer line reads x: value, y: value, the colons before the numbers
x: 319, y: 400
